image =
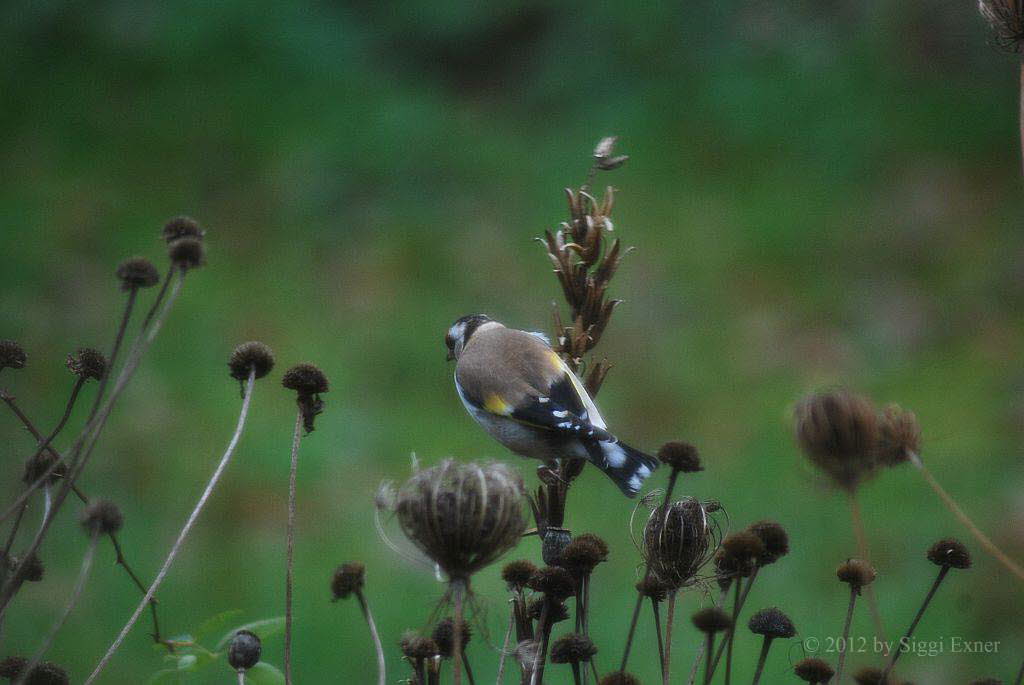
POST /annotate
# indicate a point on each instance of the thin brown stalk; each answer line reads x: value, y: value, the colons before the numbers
x: 845, y: 644
x: 504, y: 645
x: 708, y: 671
x: 378, y: 647
x: 541, y: 630
x: 458, y: 589
x: 669, y: 619
x: 765, y: 646
x: 917, y: 618
x: 657, y: 631
x: 729, y: 641
x: 289, y: 580
x: 857, y: 520
x: 1020, y: 676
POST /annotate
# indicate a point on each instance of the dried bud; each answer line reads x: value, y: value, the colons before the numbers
x: 244, y: 650
x: 182, y: 227
x: 839, y: 433
x: 250, y: 356
x: 187, y: 253
x: 347, y: 578
x: 43, y: 673
x: 554, y: 581
x: 87, y: 363
x: 813, y: 670
x: 619, y: 678
x: 653, y: 588
x: 584, y: 553
x: 102, y: 518
x: 950, y: 553
x: 137, y: 272
x: 12, y: 356
x: 557, y: 611
x: 680, y: 456
x: 856, y: 573
x: 771, y: 623
x: 678, y: 541
x: 572, y: 648
x: 775, y: 539
x: 1006, y: 17
x: 899, y: 436
x: 462, y: 516
x: 711, y: 620
x: 416, y: 647
x: 308, y: 382
x: 517, y: 574
x: 444, y: 636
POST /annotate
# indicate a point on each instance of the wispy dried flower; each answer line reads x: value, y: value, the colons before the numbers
x: 182, y: 227
x: 137, y: 272
x: 950, y: 553
x: 87, y: 363
x: 678, y: 541
x: 711, y: 620
x: 347, y: 578
x: 12, y: 355
x: 604, y: 157
x: 244, y: 651
x: 899, y: 436
x: 856, y: 573
x: 813, y: 670
x: 248, y: 356
x: 102, y: 517
x: 572, y: 648
x: 839, y: 433
x: 1006, y: 17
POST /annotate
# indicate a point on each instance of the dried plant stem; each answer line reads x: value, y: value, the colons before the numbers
x: 1021, y: 106
x: 669, y: 619
x: 576, y: 673
x: 504, y: 644
x: 857, y: 520
x: 241, y: 677
x: 1020, y: 676
x: 378, y: 647
x: 708, y: 670
x: 542, y: 630
x: 960, y: 514
x: 159, y: 296
x: 76, y: 592
x: 657, y: 631
x: 917, y: 618
x: 458, y: 589
x: 846, y: 635
x: 765, y: 646
x: 700, y: 652
x: 729, y: 641
x: 742, y: 601
x: 289, y: 580
x: 176, y: 548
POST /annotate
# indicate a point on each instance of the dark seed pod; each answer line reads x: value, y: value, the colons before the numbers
x: 444, y: 636
x: 711, y: 620
x: 12, y: 666
x: 555, y: 541
x: 516, y: 574
x: 87, y: 363
x: 347, y: 579
x: 771, y: 623
x: 182, y: 227
x: 839, y: 433
x: 305, y: 379
x: 38, y: 465
x: 775, y: 539
x: 869, y: 675
x: 137, y: 272
x: 813, y: 670
x: 950, y: 553
x: 248, y: 356
x: 187, y: 253
x: 12, y: 355
x: 856, y: 573
x: 680, y: 456
x: 583, y: 554
x: 244, y: 651
x: 102, y: 518
x: 572, y: 648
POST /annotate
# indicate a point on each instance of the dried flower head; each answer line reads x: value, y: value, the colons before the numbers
x: 899, y: 436
x: 557, y: 611
x: 572, y: 648
x: 869, y: 675
x: 775, y: 539
x: 244, y: 650
x: 517, y: 574
x: 950, y: 553
x: 444, y: 636
x: 39, y: 464
x: 584, y: 553
x: 462, y: 516
x: 182, y: 227
x: 347, y: 578
x: 250, y: 356
x: 12, y: 355
x: 813, y: 670
x: 678, y: 541
x: 711, y: 620
x: 87, y: 363
x: 34, y: 569
x: 102, y: 517
x: 554, y: 581
x: 417, y: 647
x: 308, y: 382
x: 187, y: 253
x: 771, y: 623
x: 137, y: 272
x: 856, y: 573
x: 738, y: 555
x: 680, y: 456
x: 839, y: 433
x: 619, y: 678
x: 1006, y: 17
x: 43, y: 673
x: 653, y: 588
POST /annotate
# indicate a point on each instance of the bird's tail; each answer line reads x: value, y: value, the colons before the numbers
x: 626, y: 466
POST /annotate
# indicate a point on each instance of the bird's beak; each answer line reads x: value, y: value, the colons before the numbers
x: 451, y: 356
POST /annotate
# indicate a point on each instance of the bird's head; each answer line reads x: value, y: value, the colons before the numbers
x: 460, y: 332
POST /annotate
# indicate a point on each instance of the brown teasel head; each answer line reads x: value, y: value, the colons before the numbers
x: 839, y: 433
x: 678, y: 541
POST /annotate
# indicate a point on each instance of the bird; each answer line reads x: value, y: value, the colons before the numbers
x: 526, y: 397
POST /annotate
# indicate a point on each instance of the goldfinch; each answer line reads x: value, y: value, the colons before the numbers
x: 525, y: 396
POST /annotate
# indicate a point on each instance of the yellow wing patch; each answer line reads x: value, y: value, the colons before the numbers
x: 555, y: 360
x: 494, y: 404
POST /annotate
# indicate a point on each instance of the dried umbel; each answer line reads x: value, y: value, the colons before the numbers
x: 12, y: 355
x: 462, y: 516
x: 244, y: 650
x: 1006, y: 17
x: 678, y: 541
x: 87, y: 363
x: 839, y: 433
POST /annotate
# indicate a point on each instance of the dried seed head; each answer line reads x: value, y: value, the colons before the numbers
x: 583, y: 553
x: 856, y: 573
x: 417, y: 647
x: 34, y: 570
x: 951, y: 553
x: 43, y: 673
x: 775, y: 539
x: 653, y: 588
x: 517, y: 574
x: 462, y: 516
x: 87, y: 363
x: 554, y: 581
x: 308, y: 382
x: 444, y: 636
x: 12, y: 666
x: 38, y: 464
x: 739, y: 554
x: 250, y: 356
x: 12, y: 356
x: 680, y: 456
x: 347, y: 578
x: 839, y: 433
x: 711, y: 620
x: 619, y: 678
x: 182, y: 227
x: 869, y: 675
x: 1006, y: 17
x: 244, y: 650
x: 771, y: 623
x: 102, y: 518
x: 572, y: 648
x: 187, y: 253
x: 678, y: 541
x: 813, y: 670
x: 899, y: 436
x: 137, y: 272
x: 557, y: 611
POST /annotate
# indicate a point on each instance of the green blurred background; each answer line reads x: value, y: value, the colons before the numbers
x: 820, y: 193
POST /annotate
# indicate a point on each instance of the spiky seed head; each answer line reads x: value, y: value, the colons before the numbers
x: 572, y: 648
x: 899, y: 436
x: 554, y: 581
x: 774, y: 538
x: 248, y: 356
x: 951, y: 553
x: 678, y: 541
x: 444, y: 636
x: 87, y: 363
x: 182, y: 227
x: 813, y: 670
x: 557, y: 611
x: 347, y: 579
x: 711, y: 620
x: 187, y: 253
x: 12, y: 355
x: 1006, y: 17
x: 771, y: 623
x: 462, y: 516
x: 516, y: 574
x: 856, y: 573
x: 416, y: 647
x: 244, y: 650
x: 680, y: 456
x: 839, y: 433
x: 305, y: 379
x: 619, y: 678
x: 102, y: 517
x: 43, y: 673
x: 583, y: 553
x: 137, y: 272
x: 653, y: 588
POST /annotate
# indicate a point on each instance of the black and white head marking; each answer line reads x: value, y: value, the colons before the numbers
x: 460, y: 332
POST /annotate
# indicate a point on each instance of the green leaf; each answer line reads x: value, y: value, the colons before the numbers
x: 216, y: 624
x: 268, y: 627
x: 263, y: 674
